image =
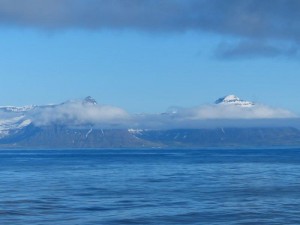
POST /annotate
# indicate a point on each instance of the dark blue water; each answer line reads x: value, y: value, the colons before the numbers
x: 150, y: 187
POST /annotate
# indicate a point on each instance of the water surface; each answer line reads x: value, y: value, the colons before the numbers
x: 212, y: 186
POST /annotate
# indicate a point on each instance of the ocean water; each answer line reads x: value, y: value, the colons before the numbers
x: 115, y: 187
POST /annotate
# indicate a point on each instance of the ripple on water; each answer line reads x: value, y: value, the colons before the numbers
x: 144, y: 187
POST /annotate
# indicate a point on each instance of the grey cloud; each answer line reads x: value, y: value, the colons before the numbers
x: 95, y: 14
x: 248, y: 18
x: 254, y: 20
x: 251, y: 49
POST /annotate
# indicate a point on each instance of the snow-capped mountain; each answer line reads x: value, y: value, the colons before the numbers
x: 81, y: 113
x: 234, y: 100
x: 16, y: 108
x: 11, y: 126
x: 84, y: 123
x: 86, y: 101
x: 14, y: 118
x: 89, y: 101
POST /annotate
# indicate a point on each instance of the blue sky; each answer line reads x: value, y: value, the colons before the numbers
x: 147, y: 66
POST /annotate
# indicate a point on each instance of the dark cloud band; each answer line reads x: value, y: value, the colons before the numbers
x: 248, y: 19
x: 278, y: 18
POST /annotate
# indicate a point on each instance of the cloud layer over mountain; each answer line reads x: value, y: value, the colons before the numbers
x: 228, y: 111
x: 76, y: 113
x: 270, y: 22
x: 233, y: 112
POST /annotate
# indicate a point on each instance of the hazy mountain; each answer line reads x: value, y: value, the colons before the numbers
x: 86, y: 124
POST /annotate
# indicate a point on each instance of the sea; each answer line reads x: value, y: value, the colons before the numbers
x: 150, y: 186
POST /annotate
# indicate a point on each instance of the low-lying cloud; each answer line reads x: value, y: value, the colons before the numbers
x: 87, y: 113
x: 76, y: 114
x: 221, y: 111
x: 219, y: 115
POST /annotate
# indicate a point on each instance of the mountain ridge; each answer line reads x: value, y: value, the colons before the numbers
x: 86, y: 124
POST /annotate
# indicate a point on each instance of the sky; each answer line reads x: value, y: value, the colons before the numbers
x: 146, y: 55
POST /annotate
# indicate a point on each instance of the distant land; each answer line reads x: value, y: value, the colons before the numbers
x: 229, y: 122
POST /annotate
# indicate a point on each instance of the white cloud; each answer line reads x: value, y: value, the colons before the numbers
x: 86, y: 113
x: 233, y: 112
x: 77, y: 113
x: 217, y: 115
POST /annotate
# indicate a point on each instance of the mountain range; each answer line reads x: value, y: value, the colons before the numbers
x: 86, y: 124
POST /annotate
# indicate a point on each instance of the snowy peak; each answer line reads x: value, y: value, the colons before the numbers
x: 228, y: 99
x: 89, y: 101
x: 234, y: 100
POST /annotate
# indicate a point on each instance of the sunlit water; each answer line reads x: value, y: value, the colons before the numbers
x: 70, y: 187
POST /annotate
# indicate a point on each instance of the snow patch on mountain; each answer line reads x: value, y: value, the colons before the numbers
x: 135, y: 131
x: 17, y: 109
x: 234, y: 100
x: 7, y: 126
